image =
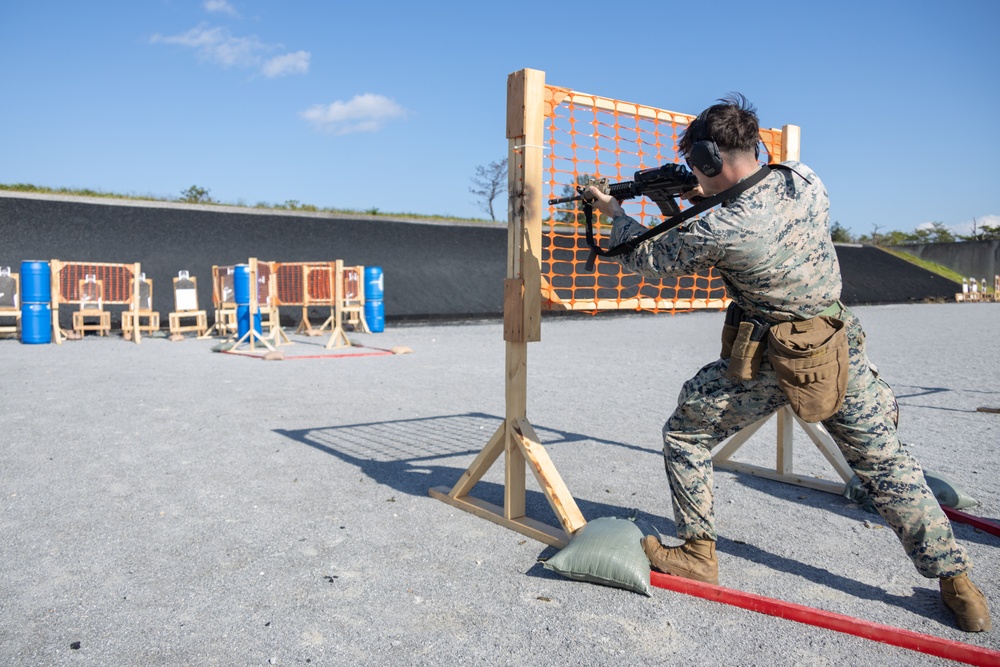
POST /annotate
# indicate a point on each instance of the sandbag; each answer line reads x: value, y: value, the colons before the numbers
x: 607, y: 551
x: 944, y: 490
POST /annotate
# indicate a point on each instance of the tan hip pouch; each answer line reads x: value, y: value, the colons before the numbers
x: 744, y: 347
x: 810, y: 358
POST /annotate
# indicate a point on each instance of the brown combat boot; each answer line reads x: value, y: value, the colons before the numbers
x: 967, y: 603
x: 695, y: 559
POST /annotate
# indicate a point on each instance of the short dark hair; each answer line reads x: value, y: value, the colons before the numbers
x: 732, y: 124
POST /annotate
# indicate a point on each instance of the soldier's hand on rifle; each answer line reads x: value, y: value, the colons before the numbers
x: 606, y: 204
x: 694, y: 195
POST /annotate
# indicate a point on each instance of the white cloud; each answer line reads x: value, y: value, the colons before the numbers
x: 219, y: 46
x: 290, y: 63
x: 221, y: 6
x: 363, y: 113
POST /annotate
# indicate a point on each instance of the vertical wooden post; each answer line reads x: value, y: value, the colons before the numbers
x: 784, y: 461
x: 136, y: 269
x: 522, y: 314
x: 55, y: 268
x: 790, y: 142
x: 337, y: 336
x: 522, y: 324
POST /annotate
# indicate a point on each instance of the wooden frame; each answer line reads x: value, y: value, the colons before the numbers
x: 783, y: 470
x: 352, y: 297
x: 251, y: 337
x: 176, y: 318
x: 268, y: 308
x: 13, y: 310
x: 107, y: 268
x: 82, y: 318
x: 310, y: 301
x: 136, y: 313
x: 523, y: 288
x: 224, y: 323
x: 516, y: 438
x: 351, y: 307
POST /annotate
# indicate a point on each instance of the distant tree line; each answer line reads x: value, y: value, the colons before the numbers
x: 937, y: 232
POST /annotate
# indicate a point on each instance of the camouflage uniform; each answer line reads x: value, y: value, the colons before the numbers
x: 772, y: 247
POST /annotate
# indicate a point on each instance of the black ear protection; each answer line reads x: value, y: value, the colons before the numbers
x: 704, y: 151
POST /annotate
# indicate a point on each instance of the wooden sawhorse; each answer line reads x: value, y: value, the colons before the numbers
x: 783, y: 467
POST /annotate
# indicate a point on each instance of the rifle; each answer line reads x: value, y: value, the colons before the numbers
x: 661, y: 184
x: 670, y: 180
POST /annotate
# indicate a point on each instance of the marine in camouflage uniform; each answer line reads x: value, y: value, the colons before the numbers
x: 773, y: 250
x: 771, y: 244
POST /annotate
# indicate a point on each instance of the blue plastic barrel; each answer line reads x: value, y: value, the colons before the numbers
x: 373, y: 283
x: 36, y: 282
x: 375, y: 315
x: 241, y: 285
x: 243, y: 321
x: 36, y: 323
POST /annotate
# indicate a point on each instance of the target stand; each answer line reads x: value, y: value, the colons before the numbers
x: 515, y: 438
x: 247, y: 309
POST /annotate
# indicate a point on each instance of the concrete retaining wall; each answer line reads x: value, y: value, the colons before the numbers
x: 972, y: 259
x: 432, y: 270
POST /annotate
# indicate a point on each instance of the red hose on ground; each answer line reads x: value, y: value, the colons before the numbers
x: 887, y: 634
x: 974, y: 521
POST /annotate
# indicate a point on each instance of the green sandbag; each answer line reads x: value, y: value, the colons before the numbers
x: 944, y: 491
x: 607, y: 551
x: 947, y: 493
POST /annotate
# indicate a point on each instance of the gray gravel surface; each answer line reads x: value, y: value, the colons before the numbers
x: 161, y: 504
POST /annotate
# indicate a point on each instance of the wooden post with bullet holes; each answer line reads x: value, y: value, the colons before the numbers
x: 515, y: 438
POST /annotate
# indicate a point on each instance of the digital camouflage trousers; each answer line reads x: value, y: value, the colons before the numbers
x: 712, y: 407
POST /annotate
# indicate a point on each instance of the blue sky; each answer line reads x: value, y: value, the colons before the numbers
x: 392, y: 105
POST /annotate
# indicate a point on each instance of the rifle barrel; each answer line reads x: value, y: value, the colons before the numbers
x: 565, y: 200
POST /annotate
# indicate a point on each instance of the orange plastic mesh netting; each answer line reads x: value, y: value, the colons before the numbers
x: 116, y: 280
x: 304, y: 283
x: 589, y: 136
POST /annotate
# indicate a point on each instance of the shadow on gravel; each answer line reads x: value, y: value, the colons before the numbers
x: 838, y: 504
x: 407, y: 454
x: 919, y: 392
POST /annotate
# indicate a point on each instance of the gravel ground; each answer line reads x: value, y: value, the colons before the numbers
x: 161, y: 504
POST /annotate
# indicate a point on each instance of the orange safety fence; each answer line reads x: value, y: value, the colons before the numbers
x: 116, y: 280
x: 304, y: 283
x: 265, y: 271
x: 224, y: 292
x: 590, y: 136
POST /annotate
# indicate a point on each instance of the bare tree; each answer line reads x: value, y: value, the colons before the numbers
x: 490, y: 181
x: 875, y: 229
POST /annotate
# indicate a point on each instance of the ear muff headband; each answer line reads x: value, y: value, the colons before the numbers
x: 704, y: 153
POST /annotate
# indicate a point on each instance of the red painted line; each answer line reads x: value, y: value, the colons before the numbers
x: 886, y: 634
x: 337, y: 356
x: 315, y: 356
x: 974, y: 521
